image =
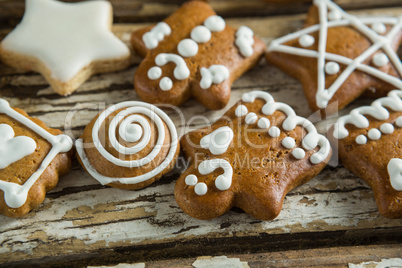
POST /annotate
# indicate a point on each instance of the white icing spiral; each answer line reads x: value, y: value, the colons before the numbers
x: 133, y: 126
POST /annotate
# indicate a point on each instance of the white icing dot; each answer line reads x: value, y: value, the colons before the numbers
x: 244, y: 41
x: 288, y: 142
x: 264, y: 123
x: 334, y: 15
x: 380, y: 59
x: 274, y: 132
x: 187, y: 48
x: 361, y: 139
x: 241, y: 110
x: 215, y: 23
x: 306, y: 40
x: 166, y: 84
x: 133, y: 132
x: 191, y: 180
x: 379, y: 27
x: 251, y: 118
x: 374, y: 134
x: 201, y: 188
x: 298, y: 153
x: 398, y: 121
x: 387, y: 128
x: 201, y: 34
x: 332, y: 68
x: 154, y: 73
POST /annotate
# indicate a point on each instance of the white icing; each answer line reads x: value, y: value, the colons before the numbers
x: 215, y: 23
x: 191, y: 180
x: 310, y: 141
x: 374, y: 134
x: 298, y: 153
x: 152, y: 38
x: 251, y: 118
x: 395, y: 173
x: 66, y: 37
x: 387, y: 128
x: 130, y: 132
x: 15, y: 195
x: 201, y: 34
x: 289, y: 142
x: 376, y: 109
x: 218, y: 141
x: 132, y: 112
x: 379, y: 42
x: 215, y: 74
x: 13, y: 149
x: 379, y: 27
x: 274, y: 132
x: 181, y: 70
x: 306, y: 40
x: 398, y: 121
x: 332, y: 68
x: 166, y: 84
x: 264, y: 123
x: 241, y: 111
x: 380, y: 59
x: 361, y: 139
x: 187, y: 48
x: 334, y: 15
x: 154, y: 73
x: 245, y: 41
x: 201, y: 188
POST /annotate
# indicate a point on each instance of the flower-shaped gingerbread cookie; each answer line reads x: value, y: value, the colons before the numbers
x: 250, y: 158
x: 193, y: 53
x: 338, y: 56
x: 32, y: 157
x: 370, y: 145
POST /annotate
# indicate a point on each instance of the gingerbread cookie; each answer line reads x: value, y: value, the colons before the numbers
x: 129, y: 145
x: 250, y: 158
x: 338, y: 56
x: 32, y: 157
x: 65, y: 42
x: 193, y: 53
x: 370, y: 145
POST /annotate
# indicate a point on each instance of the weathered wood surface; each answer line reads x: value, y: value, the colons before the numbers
x: 84, y: 222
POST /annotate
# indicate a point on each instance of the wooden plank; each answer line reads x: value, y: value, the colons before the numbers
x: 82, y: 221
x: 130, y: 11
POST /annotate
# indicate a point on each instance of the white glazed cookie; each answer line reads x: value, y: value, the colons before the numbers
x: 32, y: 157
x: 369, y: 140
x: 129, y: 145
x: 65, y: 42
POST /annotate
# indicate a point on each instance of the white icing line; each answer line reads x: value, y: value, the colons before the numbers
x: 245, y: 41
x: 377, y: 110
x: 379, y: 43
x: 181, y: 70
x: 13, y: 149
x: 218, y: 141
x: 310, y: 141
x: 152, y: 38
x: 134, y: 112
x: 395, y: 173
x: 15, y: 195
x: 215, y: 74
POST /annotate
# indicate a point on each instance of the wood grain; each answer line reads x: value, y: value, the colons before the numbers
x: 82, y: 222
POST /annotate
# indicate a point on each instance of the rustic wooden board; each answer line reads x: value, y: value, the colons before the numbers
x: 84, y: 222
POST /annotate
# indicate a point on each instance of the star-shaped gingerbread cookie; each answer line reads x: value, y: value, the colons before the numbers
x: 337, y: 56
x: 250, y: 158
x: 370, y: 145
x: 65, y: 42
x: 193, y: 53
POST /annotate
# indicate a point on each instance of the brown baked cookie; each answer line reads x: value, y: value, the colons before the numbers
x: 129, y: 145
x: 338, y: 56
x: 32, y: 157
x: 370, y: 145
x: 193, y: 53
x: 250, y: 158
x: 65, y: 42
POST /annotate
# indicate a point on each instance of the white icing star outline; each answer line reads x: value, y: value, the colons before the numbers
x: 379, y: 42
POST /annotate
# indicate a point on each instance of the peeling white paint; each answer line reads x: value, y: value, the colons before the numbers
x: 384, y: 263
x: 221, y: 262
